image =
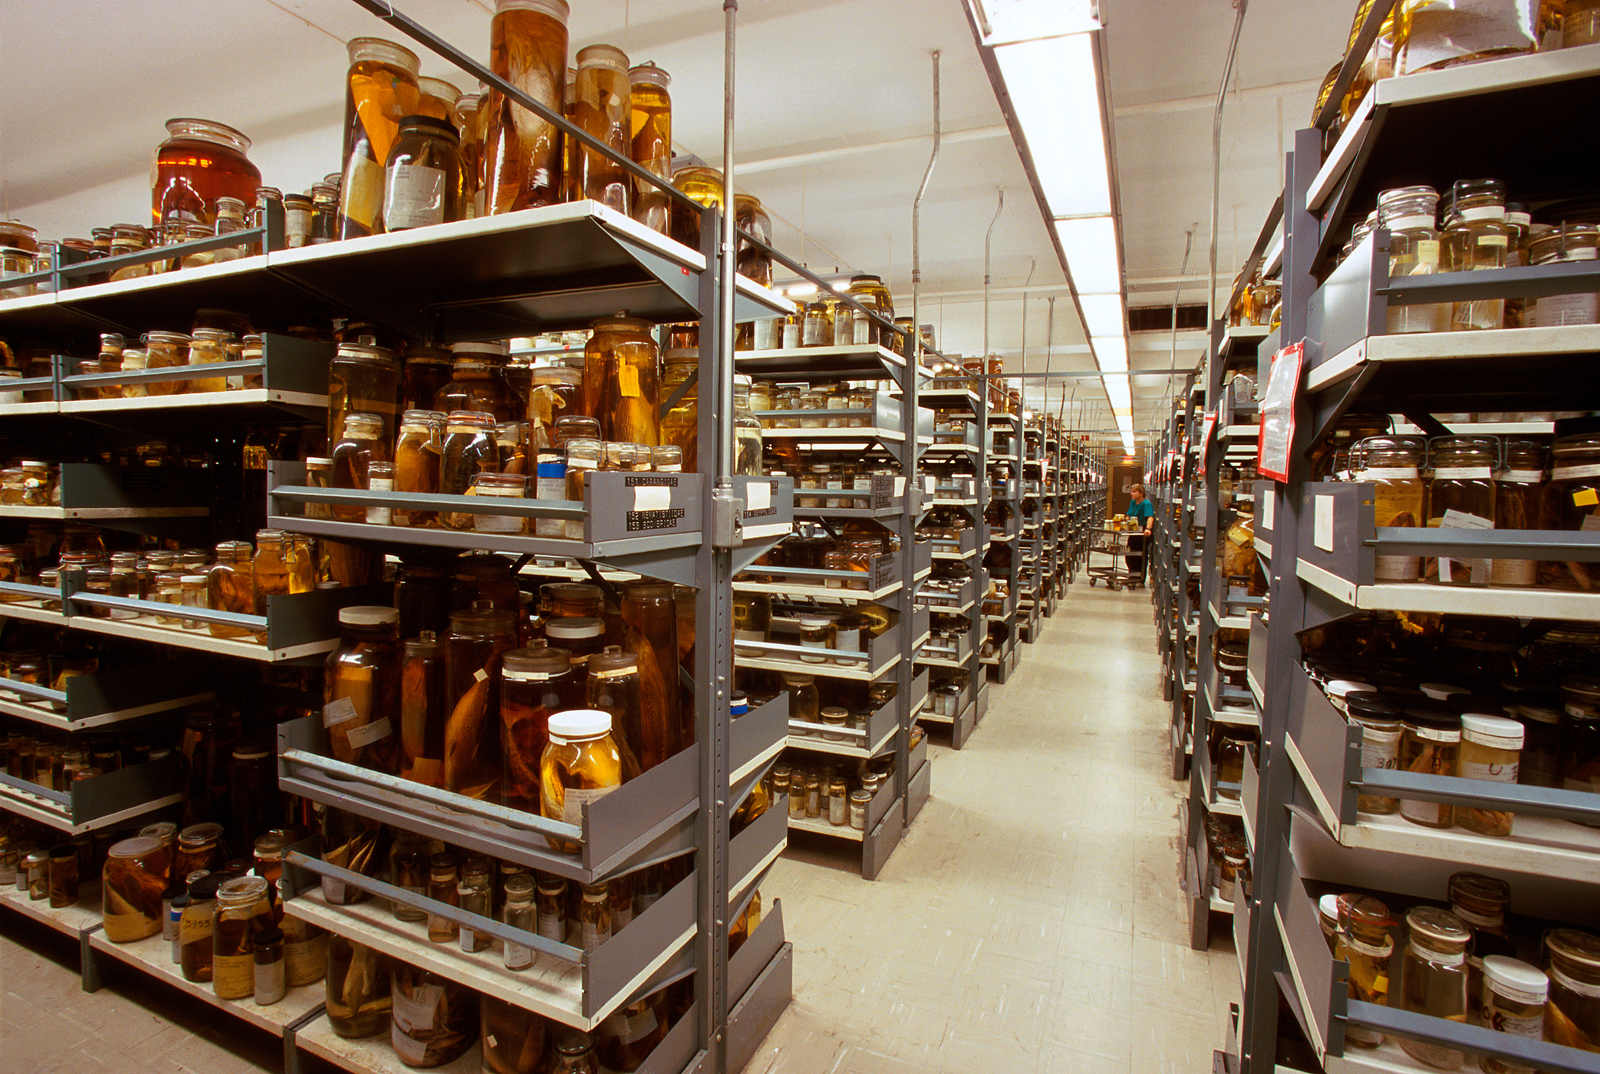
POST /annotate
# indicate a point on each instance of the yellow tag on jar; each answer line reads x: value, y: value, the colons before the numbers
x: 1585, y: 498
x: 628, y: 382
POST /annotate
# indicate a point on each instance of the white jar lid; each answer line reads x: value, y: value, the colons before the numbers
x: 814, y: 620
x: 496, y: 346
x: 579, y: 723
x: 574, y: 626
x: 1515, y: 980
x: 1328, y: 906
x: 1341, y: 687
x: 1439, y: 690
x: 192, y: 579
x: 368, y: 615
x: 1496, y: 731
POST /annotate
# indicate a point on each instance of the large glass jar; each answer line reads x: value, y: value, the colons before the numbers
x: 1572, y: 502
x: 228, y: 586
x: 613, y: 686
x: 650, y: 629
x: 702, y: 186
x: 1514, y: 995
x: 364, y: 442
x: 1461, y: 496
x: 362, y: 378
x: 356, y: 988
x: 1408, y: 212
x: 871, y: 292
x: 1572, y: 1017
x: 746, y: 431
x: 1364, y: 942
x: 239, y: 908
x: 753, y: 261
x: 470, y: 448
x: 417, y: 453
x: 580, y: 765
x: 200, y: 161
x: 680, y: 425
x: 515, y: 1040
x: 424, y: 706
x: 1430, y: 744
x: 1490, y: 748
x: 522, y: 151
x: 1481, y: 902
x: 1477, y: 238
x: 477, y: 382
x: 620, y: 386
x: 1393, y: 465
x: 380, y: 90
x: 423, y: 181
x: 132, y: 883
x: 435, y: 1020
x: 1519, y: 484
x: 477, y: 638
x: 427, y: 369
x: 651, y: 146
x: 1580, y: 735
x: 601, y: 109
x: 361, y: 689
x: 1434, y: 35
x: 1433, y: 978
x: 534, y: 683
x: 1380, y: 742
x: 1555, y: 245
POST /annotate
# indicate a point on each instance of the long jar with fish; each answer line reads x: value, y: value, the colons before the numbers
x: 650, y: 629
x: 478, y: 636
x: 535, y: 682
x: 361, y: 689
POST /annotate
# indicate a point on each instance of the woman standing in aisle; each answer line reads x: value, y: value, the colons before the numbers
x: 1143, y: 512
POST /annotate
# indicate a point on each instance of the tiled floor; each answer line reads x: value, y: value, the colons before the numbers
x: 1031, y: 921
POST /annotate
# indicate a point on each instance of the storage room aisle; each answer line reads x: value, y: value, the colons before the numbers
x: 1031, y: 921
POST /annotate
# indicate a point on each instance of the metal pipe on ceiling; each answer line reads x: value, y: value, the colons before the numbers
x: 987, y: 237
x: 1239, y: 7
x: 916, y: 218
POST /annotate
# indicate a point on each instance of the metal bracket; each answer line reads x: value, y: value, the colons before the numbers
x: 726, y: 508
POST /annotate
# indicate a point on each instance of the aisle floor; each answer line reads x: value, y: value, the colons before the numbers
x: 1031, y: 920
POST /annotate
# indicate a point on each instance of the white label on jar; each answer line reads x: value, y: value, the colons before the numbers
x: 1518, y: 572
x: 1389, y: 473
x: 1494, y: 773
x: 1527, y: 1026
x: 863, y: 331
x: 848, y: 640
x: 574, y: 798
x: 296, y: 228
x: 1568, y: 309
x: 1379, y: 749
x: 1563, y: 473
x: 791, y: 336
x: 1493, y: 240
x: 1526, y: 477
x: 1427, y: 252
x: 1462, y: 473
x: 1482, y: 212
x: 1443, y: 958
x: 498, y: 524
x: 1361, y: 947
x: 1465, y: 520
x: 413, y: 196
x: 376, y: 731
x: 416, y: 1011
x: 1571, y: 984
x: 408, y: 1048
x: 338, y: 711
x: 516, y: 956
x: 269, y: 982
x: 591, y: 936
x: 553, y: 926
x: 1435, y: 734
x: 1482, y: 921
x: 379, y: 516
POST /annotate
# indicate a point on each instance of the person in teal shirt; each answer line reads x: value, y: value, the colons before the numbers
x: 1142, y: 511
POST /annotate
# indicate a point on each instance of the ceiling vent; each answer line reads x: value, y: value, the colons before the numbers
x: 1159, y: 318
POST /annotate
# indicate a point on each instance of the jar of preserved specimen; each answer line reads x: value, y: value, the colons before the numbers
x: 361, y: 691
x: 522, y: 165
x: 580, y: 765
x: 380, y: 89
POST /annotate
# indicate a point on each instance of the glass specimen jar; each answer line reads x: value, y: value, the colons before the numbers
x: 35, y: 876
x: 613, y: 686
x: 356, y: 988
x: 427, y: 369
x: 680, y: 425
x: 1519, y: 484
x: 816, y: 632
x: 522, y: 165
x: 752, y: 618
x: 366, y: 379
x: 380, y: 89
x: 477, y: 638
x: 534, y: 683
x: 594, y: 917
x: 269, y: 981
x: 650, y: 629
x: 601, y: 108
x: 207, y: 347
x: 199, y: 845
x: 195, y: 927
x: 1514, y: 997
x: 500, y: 486
x: 1580, y: 735
x: 443, y: 887
x: 1443, y: 35
x: 1477, y: 238
x: 1380, y: 723
x: 620, y: 386
x: 651, y: 144
x: 1430, y: 743
x: 551, y: 908
x: 200, y: 161
x: 1461, y: 496
x: 435, y: 1020
x: 1572, y: 1017
x: 132, y: 882
x: 477, y: 382
x: 554, y: 392
x: 232, y: 936
x: 282, y: 565
x: 164, y: 350
x: 746, y: 431
x: 228, y: 586
x: 702, y: 186
x: 1393, y: 465
x: 1481, y: 902
x: 515, y: 1041
x: 423, y: 181
x: 1364, y: 942
x: 1433, y: 978
x: 627, y: 1037
x: 582, y: 636
x: 1563, y: 243
x: 1490, y: 748
x: 1572, y: 502
x: 469, y: 449
x: 361, y: 688
x: 1408, y: 212
x: 804, y: 699
x: 581, y: 764
x: 754, y: 262
x: 424, y: 706
x: 62, y: 880
x: 870, y: 292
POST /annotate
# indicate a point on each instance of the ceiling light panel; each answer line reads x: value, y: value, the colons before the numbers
x: 1055, y: 91
x: 1103, y: 314
x: 1001, y: 22
x: 1090, y: 244
x: 1112, y: 354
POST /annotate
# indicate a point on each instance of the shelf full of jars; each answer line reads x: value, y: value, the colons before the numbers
x: 1006, y: 575
x: 1052, y: 463
x: 1084, y: 476
x: 1164, y: 473
x: 1424, y: 843
x: 1231, y: 583
x: 535, y: 761
x: 1037, y: 575
x: 830, y: 617
x: 1177, y: 588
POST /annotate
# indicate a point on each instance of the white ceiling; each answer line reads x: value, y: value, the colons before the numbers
x: 834, y: 123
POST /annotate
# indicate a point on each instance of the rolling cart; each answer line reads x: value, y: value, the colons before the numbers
x: 1115, y: 544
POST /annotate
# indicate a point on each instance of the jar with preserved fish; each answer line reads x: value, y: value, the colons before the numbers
x: 465, y: 112
x: 754, y: 262
x: 746, y: 431
x: 477, y: 638
x: 424, y: 706
x: 627, y: 1037
x: 1364, y: 942
x: 1461, y: 496
x: 237, y: 918
x: 366, y: 379
x: 601, y: 108
x: 1477, y: 238
x: 380, y: 90
x: 1556, y: 245
x: 522, y: 165
x: 1433, y: 979
x: 1393, y: 465
x: 583, y: 458
x: 195, y: 926
x: 477, y: 381
x: 1430, y: 743
x: 651, y: 145
x: 581, y: 764
x: 1571, y: 501
x: 535, y: 683
x: 680, y: 425
x: 1490, y: 748
x: 435, y: 1020
x: 1519, y: 484
x: 650, y: 629
x: 356, y: 988
x: 1408, y: 212
x: 229, y: 586
x: 1572, y: 1017
x: 427, y: 369
x: 704, y: 187
x: 417, y: 460
x: 1432, y: 36
x: 361, y: 691
x: 200, y: 161
x: 470, y: 448
x: 620, y: 385
x: 613, y: 687
x: 131, y: 889
x: 554, y: 392
x: 364, y: 442
x: 423, y: 181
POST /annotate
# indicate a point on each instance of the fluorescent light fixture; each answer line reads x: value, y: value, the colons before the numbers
x: 1103, y: 314
x: 1112, y: 354
x: 798, y: 290
x: 1120, y: 396
x: 1055, y: 90
x: 1090, y: 244
x: 1001, y: 22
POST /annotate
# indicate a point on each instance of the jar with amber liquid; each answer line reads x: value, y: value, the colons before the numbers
x: 363, y: 443
x: 444, y: 871
x: 702, y: 186
x: 195, y: 926
x: 1481, y: 901
x: 417, y: 459
x: 613, y: 686
x: 581, y: 764
x: 650, y: 629
x: 1477, y: 238
x: 1518, y: 486
x: 1364, y: 942
x: 1461, y: 495
x: 522, y: 165
x: 470, y: 448
x: 435, y: 1020
x: 424, y: 706
x: 1490, y: 748
x: 362, y: 378
x: 1393, y: 465
x: 535, y: 683
x: 284, y: 564
x: 515, y: 1040
x: 238, y: 916
x: 1433, y: 979
x: 1430, y: 743
x: 1572, y: 1017
x: 477, y: 382
x: 131, y: 889
x: 1408, y: 213
x: 554, y: 392
x: 680, y: 426
x: 427, y: 369
x: 477, y: 638
x: 423, y: 182
x: 620, y: 385
x: 229, y: 586
x: 651, y: 144
x: 754, y: 262
x: 380, y: 89
x: 361, y: 689
x: 601, y: 108
x: 629, y: 1034
x: 200, y: 161
x: 1572, y: 502
x: 356, y: 988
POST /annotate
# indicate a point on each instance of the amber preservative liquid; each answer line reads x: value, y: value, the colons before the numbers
x: 1572, y: 1017
x: 464, y: 113
x: 131, y: 889
x: 232, y: 937
x: 1430, y: 744
x: 356, y: 988
x: 477, y: 382
x: 1364, y: 942
x: 228, y: 586
x: 361, y: 689
x: 417, y: 458
x: 583, y: 458
x: 1514, y: 998
x: 613, y: 687
x: 1433, y: 979
x: 1490, y: 749
x: 515, y: 1041
x: 554, y: 392
x: 1571, y: 501
x: 1518, y: 486
x: 1408, y: 213
x: 380, y: 89
x: 1461, y: 496
x: 470, y: 448
x: 424, y: 706
x: 519, y: 912
x: 702, y: 186
x: 601, y: 107
x: 651, y: 146
x: 353, y: 843
x: 200, y: 162
x: 443, y: 887
x: 628, y: 1036
x: 423, y: 181
x: 1393, y: 465
x: 680, y: 426
x: 580, y: 765
x: 283, y: 565
x: 620, y: 384
x: 434, y: 1020
x: 427, y: 369
x: 1477, y: 238
x: 195, y: 927
x: 650, y: 629
x: 521, y: 150
x: 362, y: 378
x: 534, y: 684
x: 477, y: 638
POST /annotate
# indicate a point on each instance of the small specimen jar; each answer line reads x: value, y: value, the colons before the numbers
x: 1490, y: 749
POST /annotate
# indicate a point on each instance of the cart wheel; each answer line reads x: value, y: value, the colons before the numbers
x: 1092, y: 581
x: 1116, y: 587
